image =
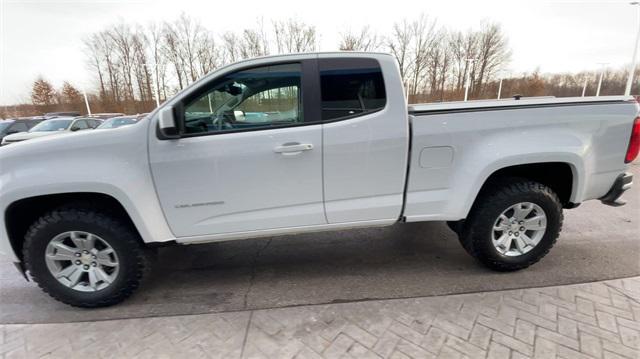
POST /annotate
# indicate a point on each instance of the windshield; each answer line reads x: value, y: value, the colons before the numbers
x: 51, y: 125
x: 4, y: 125
x: 116, y: 122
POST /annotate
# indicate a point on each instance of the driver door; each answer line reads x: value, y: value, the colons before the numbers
x: 249, y: 157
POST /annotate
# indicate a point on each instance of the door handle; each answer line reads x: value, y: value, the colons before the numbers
x: 293, y: 148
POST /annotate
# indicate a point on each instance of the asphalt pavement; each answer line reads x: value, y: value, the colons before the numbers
x: 403, y: 261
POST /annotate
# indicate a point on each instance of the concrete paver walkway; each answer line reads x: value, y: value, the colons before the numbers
x: 593, y: 320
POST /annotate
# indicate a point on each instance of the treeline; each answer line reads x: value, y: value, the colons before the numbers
x: 130, y: 63
x: 129, y: 60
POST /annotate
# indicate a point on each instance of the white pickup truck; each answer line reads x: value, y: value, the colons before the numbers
x: 303, y: 143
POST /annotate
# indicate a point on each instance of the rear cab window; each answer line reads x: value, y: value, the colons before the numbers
x: 350, y: 87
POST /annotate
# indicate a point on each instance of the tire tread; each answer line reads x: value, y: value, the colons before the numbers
x: 69, y: 212
x: 499, y: 192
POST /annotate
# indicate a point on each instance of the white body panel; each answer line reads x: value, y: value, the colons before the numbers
x: 236, y: 182
x: 454, y: 153
x: 234, y: 186
x: 365, y: 158
x: 114, y: 163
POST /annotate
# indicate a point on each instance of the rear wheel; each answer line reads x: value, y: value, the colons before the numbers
x: 513, y: 225
x: 83, y: 257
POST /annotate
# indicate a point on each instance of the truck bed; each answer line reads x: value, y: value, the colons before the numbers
x: 456, y: 146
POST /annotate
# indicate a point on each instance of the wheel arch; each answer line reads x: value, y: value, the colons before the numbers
x: 559, y: 176
x: 563, y: 177
x: 20, y: 214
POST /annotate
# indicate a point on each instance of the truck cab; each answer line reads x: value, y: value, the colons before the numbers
x: 291, y: 143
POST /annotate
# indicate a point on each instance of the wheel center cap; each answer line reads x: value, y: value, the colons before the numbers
x: 85, y: 258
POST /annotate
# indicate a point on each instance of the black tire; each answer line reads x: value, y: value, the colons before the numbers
x: 476, y: 234
x: 116, y: 232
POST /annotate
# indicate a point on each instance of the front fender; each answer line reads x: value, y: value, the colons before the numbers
x: 110, y: 162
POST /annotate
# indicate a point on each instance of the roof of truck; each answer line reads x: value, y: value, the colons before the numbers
x: 511, y: 102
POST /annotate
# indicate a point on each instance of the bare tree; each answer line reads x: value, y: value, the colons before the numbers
x: 92, y: 50
x: 492, y: 54
x: 123, y: 44
x: 365, y: 40
x: 230, y: 47
x: 155, y: 38
x: 294, y: 36
x: 399, y: 45
x: 207, y: 54
x: 189, y: 33
x: 438, y: 66
x: 253, y: 44
x: 423, y: 36
x: 171, y: 51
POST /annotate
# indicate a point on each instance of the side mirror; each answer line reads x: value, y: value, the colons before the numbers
x: 239, y: 116
x: 167, y: 123
x: 75, y: 129
x: 11, y: 132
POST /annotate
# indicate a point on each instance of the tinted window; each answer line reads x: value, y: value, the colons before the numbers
x: 19, y: 127
x: 31, y: 124
x: 81, y: 125
x: 350, y: 87
x: 261, y: 97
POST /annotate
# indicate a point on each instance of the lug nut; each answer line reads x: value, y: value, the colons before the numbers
x: 78, y: 262
x: 521, y: 222
x: 94, y: 256
x: 85, y: 266
x: 85, y: 252
x: 94, y: 264
x: 77, y: 254
x: 510, y: 233
x: 522, y: 229
x: 517, y: 234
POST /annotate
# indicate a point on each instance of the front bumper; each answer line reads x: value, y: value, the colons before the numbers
x: 621, y: 184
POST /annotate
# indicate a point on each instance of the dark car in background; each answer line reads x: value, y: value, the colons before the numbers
x: 16, y: 125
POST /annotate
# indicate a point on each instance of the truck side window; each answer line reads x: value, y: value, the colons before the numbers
x: 261, y: 97
x: 350, y: 87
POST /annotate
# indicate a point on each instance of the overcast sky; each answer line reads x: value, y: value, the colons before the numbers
x: 45, y: 37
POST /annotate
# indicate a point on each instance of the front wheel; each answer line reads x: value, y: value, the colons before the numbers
x: 84, y: 257
x: 513, y: 225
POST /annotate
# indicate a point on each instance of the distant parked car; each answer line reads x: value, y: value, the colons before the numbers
x: 17, y: 125
x: 121, y: 121
x: 50, y: 115
x: 54, y: 126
